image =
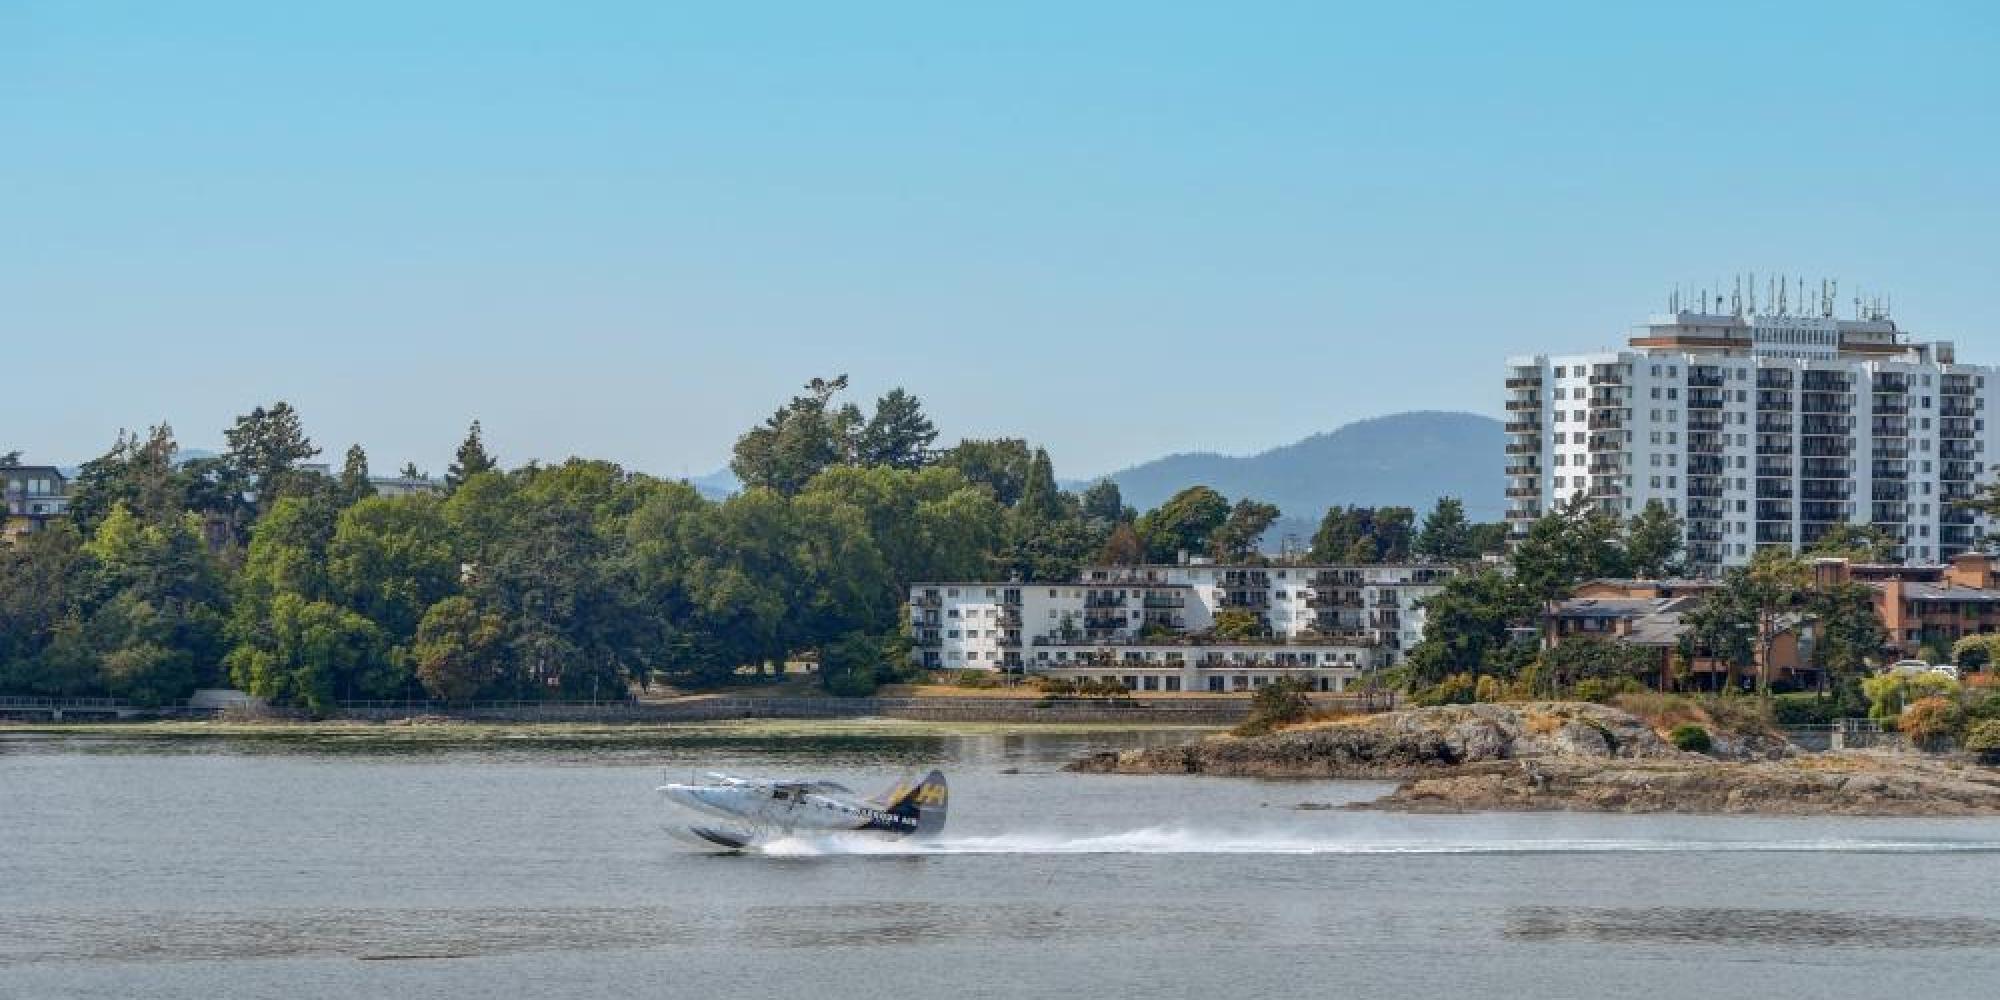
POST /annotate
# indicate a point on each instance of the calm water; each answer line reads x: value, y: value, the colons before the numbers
x: 537, y: 868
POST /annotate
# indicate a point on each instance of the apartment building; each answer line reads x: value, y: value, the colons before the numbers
x: 1149, y: 626
x: 1757, y: 429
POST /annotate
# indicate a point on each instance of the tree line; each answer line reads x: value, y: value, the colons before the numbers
x: 576, y: 579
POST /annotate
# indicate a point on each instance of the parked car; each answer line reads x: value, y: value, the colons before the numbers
x: 1909, y: 667
x: 1948, y: 669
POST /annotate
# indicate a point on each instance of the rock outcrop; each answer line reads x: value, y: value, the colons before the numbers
x: 1574, y: 756
x: 1406, y: 744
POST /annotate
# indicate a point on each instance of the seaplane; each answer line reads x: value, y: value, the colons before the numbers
x: 749, y: 811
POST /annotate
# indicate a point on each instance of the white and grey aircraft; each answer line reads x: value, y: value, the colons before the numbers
x: 758, y: 809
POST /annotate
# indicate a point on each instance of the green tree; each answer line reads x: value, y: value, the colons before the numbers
x: 138, y: 473
x: 1040, y: 500
x: 1364, y: 535
x: 390, y: 559
x: 312, y: 654
x: 1856, y: 542
x: 1237, y: 624
x: 471, y: 460
x: 1740, y: 621
x: 1652, y: 541
x: 1103, y: 503
x: 1848, y: 631
x: 265, y: 447
x: 355, y: 485
x: 1185, y: 523
x: 43, y: 586
x: 1446, y: 535
x: 897, y: 434
x: 796, y: 443
x: 1000, y: 465
x: 1236, y: 540
x: 1466, y: 627
x: 1582, y: 658
x: 1566, y: 546
x: 459, y: 650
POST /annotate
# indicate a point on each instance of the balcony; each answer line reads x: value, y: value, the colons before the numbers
x: 1606, y: 468
x: 1821, y: 511
x: 1769, y: 534
x: 1704, y: 488
x: 1955, y: 451
x: 1890, y: 470
x: 1523, y: 514
x: 1530, y: 448
x: 1824, y: 381
x: 1887, y: 513
x: 1774, y: 470
x: 1891, y: 405
x: 1768, y: 423
x: 1102, y: 621
x: 1162, y: 602
x: 1519, y: 492
x: 1824, y: 402
x: 1606, y: 421
x: 1704, y: 465
x: 1956, y: 472
x: 1885, y: 490
x: 1704, y: 510
x: 1605, y: 490
x: 1704, y: 533
x: 1825, y: 447
x: 1825, y: 468
x: 1949, y: 406
x: 1705, y: 444
x: 1825, y: 489
x: 1705, y: 421
x: 1704, y: 399
x: 1774, y: 378
x: 1704, y: 378
x: 1525, y: 382
x: 927, y: 601
x: 1823, y: 425
x: 1775, y: 448
x: 1891, y: 427
x: 1955, y: 427
x: 1245, y: 579
x: 1524, y: 427
x: 1774, y: 511
x: 1774, y: 400
x: 1606, y: 442
x: 1524, y: 470
x: 1774, y: 489
x: 1531, y: 403
x: 1891, y: 382
x: 1891, y: 449
x: 1602, y: 378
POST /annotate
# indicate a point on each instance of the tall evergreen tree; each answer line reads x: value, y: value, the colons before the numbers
x: 265, y: 448
x: 472, y: 459
x: 1236, y: 540
x: 897, y: 435
x: 1446, y: 535
x: 1652, y: 540
x: 1040, y: 501
x: 354, y: 484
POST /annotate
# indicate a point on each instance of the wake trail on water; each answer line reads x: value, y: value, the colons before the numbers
x: 1181, y: 840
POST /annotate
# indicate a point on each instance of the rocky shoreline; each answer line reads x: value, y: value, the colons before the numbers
x: 1575, y: 756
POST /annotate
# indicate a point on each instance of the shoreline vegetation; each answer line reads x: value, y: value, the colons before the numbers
x: 1577, y: 756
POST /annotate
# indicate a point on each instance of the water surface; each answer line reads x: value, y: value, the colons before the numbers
x: 502, y: 865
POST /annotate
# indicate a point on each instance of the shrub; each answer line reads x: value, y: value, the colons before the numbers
x: 1931, y: 722
x: 1659, y: 709
x: 1281, y: 703
x: 1489, y: 688
x: 1804, y: 709
x: 975, y: 679
x: 1984, y: 737
x: 1692, y: 738
x: 1603, y: 689
x: 1457, y: 689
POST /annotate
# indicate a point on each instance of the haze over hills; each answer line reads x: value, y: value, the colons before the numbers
x: 1403, y: 458
x: 1409, y: 459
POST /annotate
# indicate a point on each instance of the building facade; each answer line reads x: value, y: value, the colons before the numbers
x: 1757, y: 429
x: 34, y: 494
x: 1150, y: 627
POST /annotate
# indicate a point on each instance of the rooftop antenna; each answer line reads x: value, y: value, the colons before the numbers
x: 1736, y: 298
x: 1753, y: 293
x: 1781, y: 295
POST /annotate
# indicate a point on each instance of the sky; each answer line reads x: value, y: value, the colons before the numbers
x: 631, y: 230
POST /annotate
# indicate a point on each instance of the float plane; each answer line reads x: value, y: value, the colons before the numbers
x: 759, y: 809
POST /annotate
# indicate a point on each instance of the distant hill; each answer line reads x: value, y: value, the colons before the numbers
x: 717, y: 485
x: 1409, y: 459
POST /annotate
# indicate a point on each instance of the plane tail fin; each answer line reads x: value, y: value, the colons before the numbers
x: 926, y: 802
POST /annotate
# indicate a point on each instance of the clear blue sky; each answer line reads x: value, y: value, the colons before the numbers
x: 628, y: 230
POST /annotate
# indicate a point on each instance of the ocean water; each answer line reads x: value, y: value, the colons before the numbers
x: 541, y: 867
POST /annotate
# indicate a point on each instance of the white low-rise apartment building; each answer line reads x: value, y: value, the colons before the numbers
x: 1757, y: 429
x: 1147, y: 626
